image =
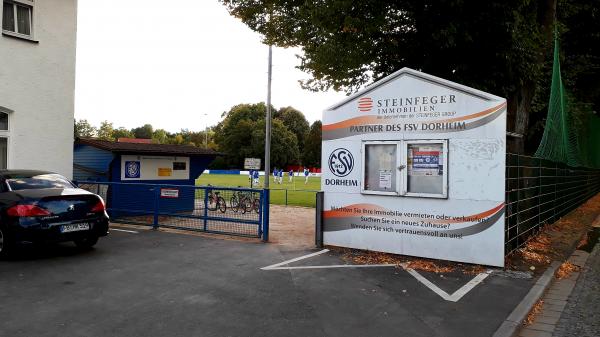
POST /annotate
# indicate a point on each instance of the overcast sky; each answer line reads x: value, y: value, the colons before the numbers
x: 169, y: 63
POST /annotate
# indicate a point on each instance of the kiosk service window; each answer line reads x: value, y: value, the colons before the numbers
x: 412, y: 168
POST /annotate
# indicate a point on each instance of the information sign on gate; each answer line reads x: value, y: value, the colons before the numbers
x: 252, y: 163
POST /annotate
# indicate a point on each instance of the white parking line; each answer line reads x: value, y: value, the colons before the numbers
x: 274, y: 266
x: 123, y: 230
x: 332, y: 266
x: 455, y: 297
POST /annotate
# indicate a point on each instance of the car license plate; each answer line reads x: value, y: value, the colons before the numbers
x: 74, y: 227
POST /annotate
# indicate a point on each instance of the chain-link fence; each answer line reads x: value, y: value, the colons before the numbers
x: 539, y: 192
x: 235, y: 211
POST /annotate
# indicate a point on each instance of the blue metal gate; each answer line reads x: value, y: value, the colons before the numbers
x: 223, y: 210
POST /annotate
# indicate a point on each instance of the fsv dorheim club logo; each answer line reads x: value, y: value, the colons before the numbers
x: 132, y: 169
x: 341, y: 162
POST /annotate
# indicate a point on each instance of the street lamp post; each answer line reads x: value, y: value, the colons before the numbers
x: 268, y: 124
x: 206, y: 132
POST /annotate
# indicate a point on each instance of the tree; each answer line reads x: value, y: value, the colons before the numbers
x: 106, y: 131
x: 295, y: 121
x: 121, y: 132
x: 160, y: 136
x: 241, y: 135
x: 234, y: 133
x: 311, y: 155
x: 503, y: 47
x: 284, y: 145
x: 144, y: 131
x: 84, y: 129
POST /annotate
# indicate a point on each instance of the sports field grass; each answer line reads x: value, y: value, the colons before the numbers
x: 298, y: 194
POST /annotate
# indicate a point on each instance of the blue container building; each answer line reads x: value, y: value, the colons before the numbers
x: 141, y: 164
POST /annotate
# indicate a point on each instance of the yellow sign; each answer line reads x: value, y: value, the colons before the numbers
x: 165, y: 171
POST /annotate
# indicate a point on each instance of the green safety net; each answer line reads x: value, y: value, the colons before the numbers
x: 571, y: 136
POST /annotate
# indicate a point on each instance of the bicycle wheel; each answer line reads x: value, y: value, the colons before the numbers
x: 243, y: 205
x: 234, y: 203
x: 212, y: 203
x: 222, y: 205
x: 256, y: 205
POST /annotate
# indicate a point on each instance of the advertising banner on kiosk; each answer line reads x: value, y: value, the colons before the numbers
x: 415, y: 165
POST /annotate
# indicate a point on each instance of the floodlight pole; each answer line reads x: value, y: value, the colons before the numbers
x: 206, y: 132
x: 268, y: 124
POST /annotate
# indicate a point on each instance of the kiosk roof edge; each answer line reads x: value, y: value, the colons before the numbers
x: 422, y: 76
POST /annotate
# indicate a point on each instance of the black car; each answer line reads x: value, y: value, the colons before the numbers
x: 38, y: 206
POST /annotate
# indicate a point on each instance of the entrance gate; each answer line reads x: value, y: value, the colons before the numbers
x: 222, y: 210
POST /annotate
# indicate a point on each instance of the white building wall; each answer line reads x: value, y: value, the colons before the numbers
x: 37, y: 82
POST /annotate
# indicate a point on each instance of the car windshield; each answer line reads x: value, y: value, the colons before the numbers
x: 38, y: 181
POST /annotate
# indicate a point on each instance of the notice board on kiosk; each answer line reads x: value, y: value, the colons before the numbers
x: 415, y: 165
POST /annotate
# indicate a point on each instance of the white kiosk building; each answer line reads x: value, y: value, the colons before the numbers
x: 37, y: 84
x: 415, y: 165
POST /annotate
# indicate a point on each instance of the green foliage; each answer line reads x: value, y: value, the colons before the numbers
x: 284, y: 145
x: 295, y: 121
x: 311, y: 155
x: 503, y: 47
x: 121, y: 132
x: 84, y: 129
x: 161, y: 136
x: 144, y: 131
x: 106, y: 131
x: 241, y: 134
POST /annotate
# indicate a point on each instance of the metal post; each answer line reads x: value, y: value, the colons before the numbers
x: 205, y: 208
x: 268, y: 123
x: 265, y: 215
x: 539, y: 198
x: 518, y: 221
x: 555, y: 184
x: 319, y: 219
x: 286, y: 197
x: 206, y: 132
x: 156, y: 206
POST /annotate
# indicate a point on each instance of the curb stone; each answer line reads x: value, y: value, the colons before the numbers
x: 513, y: 322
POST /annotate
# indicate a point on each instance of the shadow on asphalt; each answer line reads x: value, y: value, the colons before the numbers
x: 45, y: 251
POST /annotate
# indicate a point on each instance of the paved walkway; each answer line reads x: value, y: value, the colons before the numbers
x: 571, y: 306
x: 581, y: 315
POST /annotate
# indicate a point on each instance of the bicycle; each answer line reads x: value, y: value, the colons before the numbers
x: 215, y: 201
x: 237, y: 200
x: 255, y: 203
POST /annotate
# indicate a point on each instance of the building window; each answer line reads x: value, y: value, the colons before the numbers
x: 179, y: 166
x: 380, y: 168
x: 3, y: 121
x: 3, y: 153
x: 17, y: 17
x: 411, y: 168
x: 426, y: 168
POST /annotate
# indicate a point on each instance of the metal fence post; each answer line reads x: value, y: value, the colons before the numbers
x: 205, y: 208
x: 518, y: 222
x: 539, y: 198
x: 265, y: 215
x: 286, y: 197
x: 156, y: 206
x: 319, y: 219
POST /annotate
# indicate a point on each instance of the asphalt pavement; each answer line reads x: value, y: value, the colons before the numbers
x: 154, y: 283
